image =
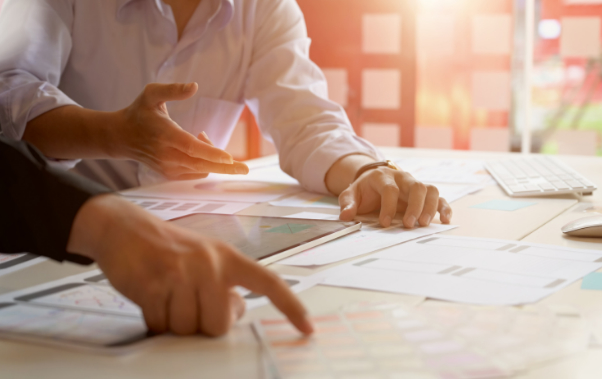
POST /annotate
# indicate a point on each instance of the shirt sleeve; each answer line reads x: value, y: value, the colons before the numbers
x: 39, y: 203
x: 35, y: 44
x: 288, y: 95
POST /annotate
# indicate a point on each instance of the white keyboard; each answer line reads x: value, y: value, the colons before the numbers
x: 537, y: 176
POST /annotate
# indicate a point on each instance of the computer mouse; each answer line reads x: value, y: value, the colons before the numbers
x: 584, y: 227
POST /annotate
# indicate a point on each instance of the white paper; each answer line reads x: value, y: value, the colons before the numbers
x: 453, y: 192
x: 492, y: 34
x: 338, y: 87
x: 381, y: 33
x: 260, y: 185
x: 308, y: 200
x: 296, y: 284
x: 381, y: 89
x: 381, y: 134
x: 15, y: 262
x: 491, y: 90
x: 170, y: 209
x: 468, y: 270
x: 580, y: 37
x: 370, y: 238
x: 450, y: 171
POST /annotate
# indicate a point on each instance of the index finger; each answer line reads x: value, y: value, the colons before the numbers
x: 195, y: 148
x: 260, y: 280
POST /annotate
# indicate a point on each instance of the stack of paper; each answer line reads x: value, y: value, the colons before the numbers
x: 468, y: 270
x: 370, y: 238
x: 434, y: 340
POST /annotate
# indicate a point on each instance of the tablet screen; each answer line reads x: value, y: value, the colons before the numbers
x: 260, y: 237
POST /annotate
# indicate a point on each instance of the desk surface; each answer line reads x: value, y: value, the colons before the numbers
x: 237, y: 355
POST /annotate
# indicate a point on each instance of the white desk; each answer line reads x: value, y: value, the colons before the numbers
x: 237, y: 355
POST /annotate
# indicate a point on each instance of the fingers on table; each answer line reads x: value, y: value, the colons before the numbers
x: 216, y: 314
x: 183, y: 311
x: 260, y: 280
x: 422, y: 200
x: 388, y: 190
x: 445, y: 211
x: 155, y: 309
x: 237, y: 306
x: 349, y: 201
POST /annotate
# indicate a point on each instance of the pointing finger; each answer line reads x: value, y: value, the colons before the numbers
x: 263, y: 281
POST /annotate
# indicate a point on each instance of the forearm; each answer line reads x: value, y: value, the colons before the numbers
x: 71, y: 132
x: 40, y: 202
x: 92, y: 222
x: 342, y: 172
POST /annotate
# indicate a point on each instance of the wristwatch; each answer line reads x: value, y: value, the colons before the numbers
x: 373, y: 165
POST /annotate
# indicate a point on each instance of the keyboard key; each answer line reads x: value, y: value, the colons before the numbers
x: 561, y: 185
x: 518, y: 188
x: 532, y: 187
x: 547, y: 187
x: 575, y: 184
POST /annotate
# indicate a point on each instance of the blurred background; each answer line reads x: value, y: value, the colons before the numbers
x: 448, y: 74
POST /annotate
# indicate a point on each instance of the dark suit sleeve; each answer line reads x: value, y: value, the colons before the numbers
x: 39, y: 203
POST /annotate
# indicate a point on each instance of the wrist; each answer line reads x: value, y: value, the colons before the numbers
x: 114, y: 141
x: 343, y: 172
x: 91, y: 225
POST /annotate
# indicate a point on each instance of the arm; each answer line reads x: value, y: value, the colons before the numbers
x: 39, y: 203
x: 35, y: 46
x: 184, y: 283
x: 287, y: 93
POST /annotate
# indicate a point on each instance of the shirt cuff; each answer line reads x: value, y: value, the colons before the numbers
x: 337, y: 146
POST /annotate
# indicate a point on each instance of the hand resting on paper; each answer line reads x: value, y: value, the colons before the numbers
x: 386, y: 189
x: 183, y: 282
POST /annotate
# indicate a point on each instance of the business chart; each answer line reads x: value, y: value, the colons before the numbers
x: 174, y: 208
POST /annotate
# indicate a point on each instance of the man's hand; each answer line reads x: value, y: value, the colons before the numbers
x: 386, y: 189
x: 183, y: 282
x: 147, y: 134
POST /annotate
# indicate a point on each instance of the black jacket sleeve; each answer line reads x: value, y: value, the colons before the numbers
x: 39, y: 203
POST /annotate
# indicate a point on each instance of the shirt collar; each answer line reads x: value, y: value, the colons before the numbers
x: 223, y: 15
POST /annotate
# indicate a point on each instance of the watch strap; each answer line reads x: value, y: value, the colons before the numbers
x: 373, y: 165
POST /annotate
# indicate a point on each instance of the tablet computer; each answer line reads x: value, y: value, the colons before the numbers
x: 267, y: 239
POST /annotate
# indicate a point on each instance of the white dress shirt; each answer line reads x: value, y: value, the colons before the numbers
x: 99, y: 54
